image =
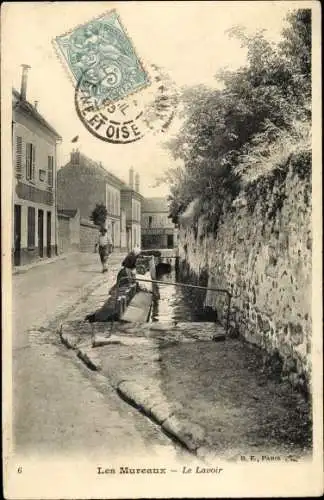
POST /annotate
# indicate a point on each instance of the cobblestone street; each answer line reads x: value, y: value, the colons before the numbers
x: 60, y: 407
x: 46, y: 291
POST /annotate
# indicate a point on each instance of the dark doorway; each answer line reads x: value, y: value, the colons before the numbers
x: 49, y: 234
x: 41, y: 233
x: 17, y: 235
x: 129, y: 239
x: 170, y: 241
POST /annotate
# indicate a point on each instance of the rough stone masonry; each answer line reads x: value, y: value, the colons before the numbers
x: 262, y: 254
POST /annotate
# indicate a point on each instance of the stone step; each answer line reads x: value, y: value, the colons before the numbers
x: 102, y: 340
x: 74, y: 333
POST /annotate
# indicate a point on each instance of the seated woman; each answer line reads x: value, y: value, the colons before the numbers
x: 128, y: 269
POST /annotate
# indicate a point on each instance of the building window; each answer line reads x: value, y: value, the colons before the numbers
x: 150, y: 221
x: 31, y: 227
x: 50, y: 170
x: 30, y: 161
x: 19, y: 153
x: 42, y: 175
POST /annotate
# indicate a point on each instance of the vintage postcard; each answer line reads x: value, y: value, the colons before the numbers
x: 161, y: 249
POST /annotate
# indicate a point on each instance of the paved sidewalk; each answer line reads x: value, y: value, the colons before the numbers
x: 42, y: 262
x: 213, y: 397
x: 47, y: 261
x: 49, y: 292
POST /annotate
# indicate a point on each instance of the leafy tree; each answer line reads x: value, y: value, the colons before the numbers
x: 99, y: 214
x: 296, y: 45
x: 252, y: 109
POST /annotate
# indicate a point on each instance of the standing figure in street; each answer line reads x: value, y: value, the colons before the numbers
x: 104, y: 244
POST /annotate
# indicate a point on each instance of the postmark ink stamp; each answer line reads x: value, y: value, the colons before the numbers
x: 102, y: 60
x: 129, y: 119
x: 107, y: 75
x: 116, y: 122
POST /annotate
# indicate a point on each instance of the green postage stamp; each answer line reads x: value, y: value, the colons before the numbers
x: 102, y: 59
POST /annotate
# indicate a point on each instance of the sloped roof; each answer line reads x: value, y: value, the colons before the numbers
x: 28, y: 108
x: 155, y: 205
x: 97, y: 169
x: 106, y: 173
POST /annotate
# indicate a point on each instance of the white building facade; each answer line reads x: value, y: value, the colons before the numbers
x: 34, y: 143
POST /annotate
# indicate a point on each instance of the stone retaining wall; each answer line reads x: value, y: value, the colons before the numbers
x: 88, y: 236
x: 262, y: 254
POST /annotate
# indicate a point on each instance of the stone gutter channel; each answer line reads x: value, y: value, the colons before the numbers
x: 127, y: 352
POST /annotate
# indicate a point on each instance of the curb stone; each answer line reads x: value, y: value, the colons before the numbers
x: 189, y: 434
x: 25, y: 269
x: 74, y: 333
x: 138, y: 395
x: 102, y: 340
x: 161, y: 411
x: 146, y: 400
x: 88, y: 357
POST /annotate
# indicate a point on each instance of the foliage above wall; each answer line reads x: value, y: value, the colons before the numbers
x: 252, y: 125
x: 99, y: 214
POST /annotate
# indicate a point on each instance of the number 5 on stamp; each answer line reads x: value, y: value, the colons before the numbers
x: 102, y: 60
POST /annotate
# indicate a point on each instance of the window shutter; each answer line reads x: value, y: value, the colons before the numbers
x: 19, y: 157
x: 33, y: 150
x: 28, y: 161
x: 50, y: 171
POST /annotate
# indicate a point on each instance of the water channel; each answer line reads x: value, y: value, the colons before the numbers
x: 179, y: 304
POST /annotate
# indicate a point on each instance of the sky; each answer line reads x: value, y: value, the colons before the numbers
x: 187, y: 39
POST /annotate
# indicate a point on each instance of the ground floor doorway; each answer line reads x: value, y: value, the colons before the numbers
x: 41, y: 233
x: 17, y: 235
x: 49, y: 234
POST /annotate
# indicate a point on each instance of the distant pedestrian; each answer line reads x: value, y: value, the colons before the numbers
x: 104, y: 244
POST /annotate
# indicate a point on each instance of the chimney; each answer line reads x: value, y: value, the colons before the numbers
x: 75, y: 157
x: 23, y: 88
x: 131, y: 178
x: 137, y: 182
x: 35, y: 105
